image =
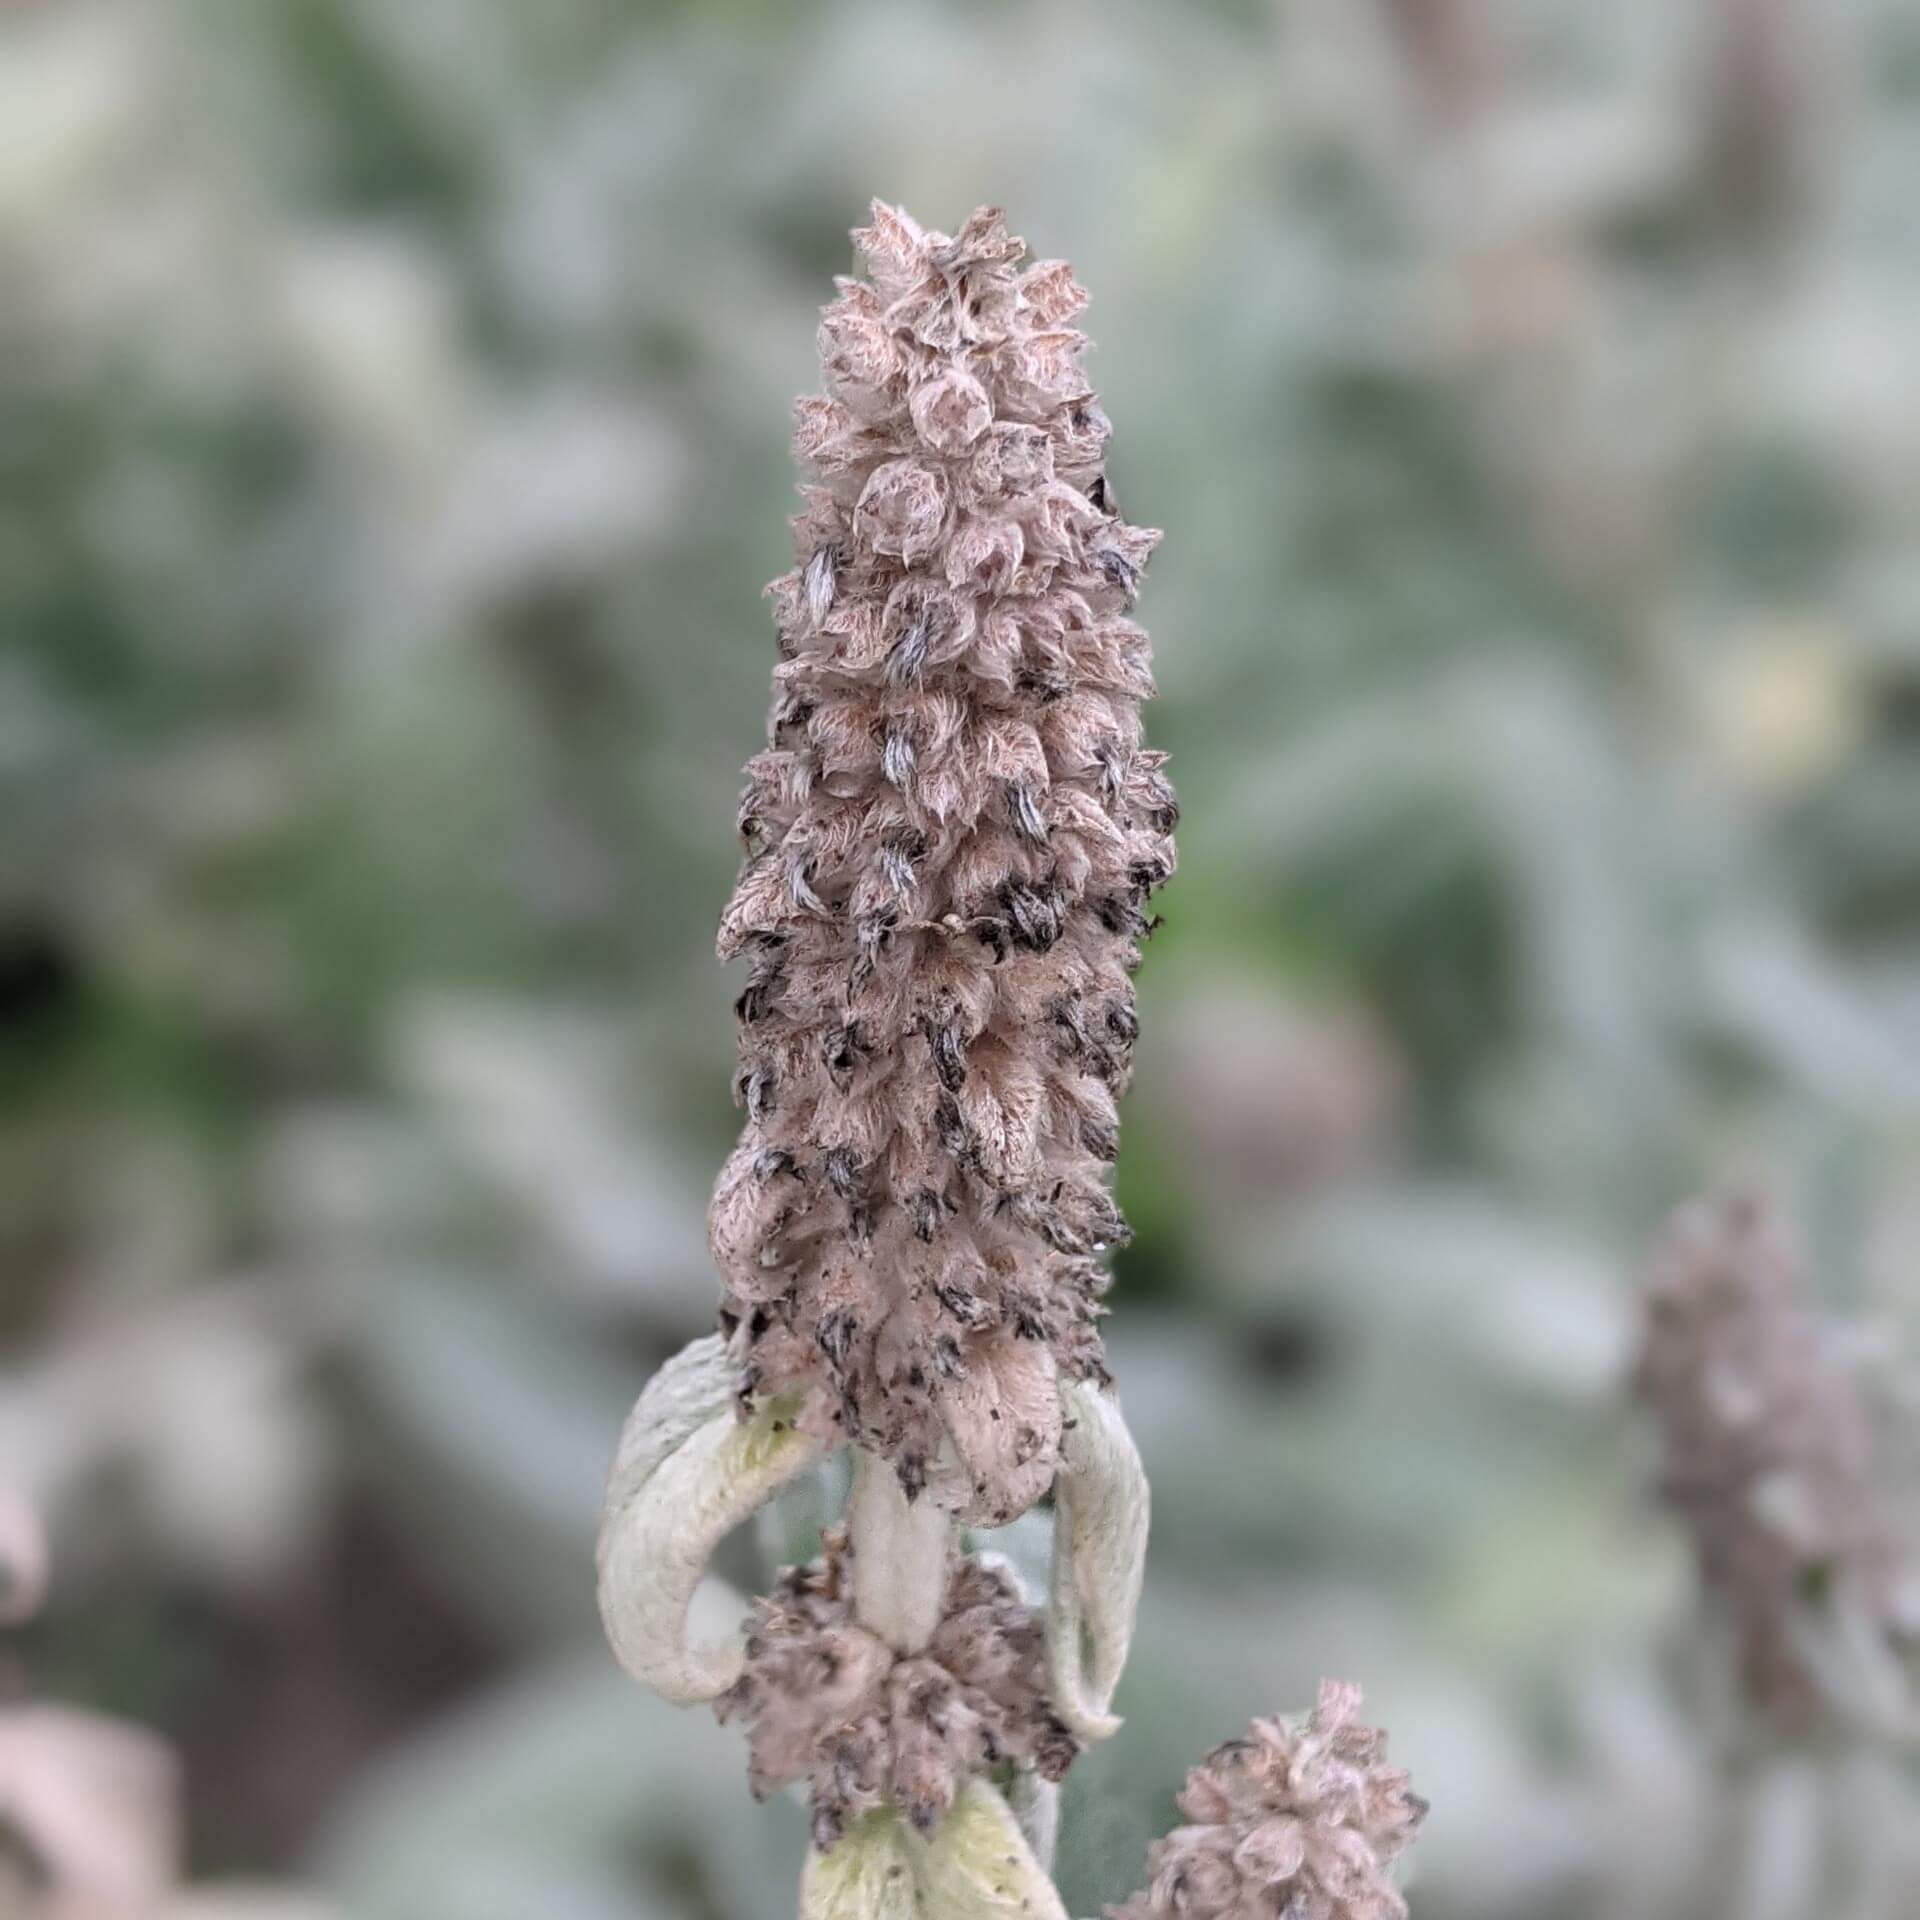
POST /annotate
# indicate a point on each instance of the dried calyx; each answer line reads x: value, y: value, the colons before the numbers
x: 1770, y: 1461
x: 1299, y: 1820
x: 865, y: 1725
x: 951, y: 839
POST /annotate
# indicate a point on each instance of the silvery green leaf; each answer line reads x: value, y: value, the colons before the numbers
x: 245, y: 1901
x: 1848, y: 1651
x: 978, y: 1865
x: 687, y: 1392
x: 531, y: 1102
x: 686, y: 1474
x: 551, y: 1792
x: 489, y: 1421
x: 868, y: 1875
x: 1099, y: 1556
x: 1818, y: 1021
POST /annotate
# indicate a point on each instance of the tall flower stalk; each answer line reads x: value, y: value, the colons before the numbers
x: 951, y: 839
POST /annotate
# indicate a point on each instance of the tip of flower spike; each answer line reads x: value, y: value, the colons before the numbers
x: 892, y: 245
x: 1338, y: 1702
x: 897, y: 248
x: 983, y: 240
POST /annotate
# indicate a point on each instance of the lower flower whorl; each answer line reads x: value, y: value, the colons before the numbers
x: 831, y: 1703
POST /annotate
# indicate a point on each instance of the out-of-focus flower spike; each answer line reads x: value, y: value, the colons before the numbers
x: 1099, y: 1557
x: 1773, y: 1463
x: 687, y: 1472
x: 23, y: 1561
x: 979, y: 1866
x: 868, y: 1876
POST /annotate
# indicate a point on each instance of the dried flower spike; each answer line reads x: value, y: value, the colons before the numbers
x: 1769, y: 1460
x: 1297, y: 1821
x: 950, y: 838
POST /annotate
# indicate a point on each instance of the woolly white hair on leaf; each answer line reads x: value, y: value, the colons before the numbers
x: 687, y: 1472
x: 978, y: 1865
x: 868, y: 1876
x: 1099, y: 1558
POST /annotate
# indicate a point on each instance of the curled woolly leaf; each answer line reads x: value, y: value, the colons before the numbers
x: 867, y: 1876
x: 1099, y: 1556
x: 686, y: 1474
x: 675, y: 1404
x: 978, y: 1865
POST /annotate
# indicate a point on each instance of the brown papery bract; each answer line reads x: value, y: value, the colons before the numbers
x: 951, y: 838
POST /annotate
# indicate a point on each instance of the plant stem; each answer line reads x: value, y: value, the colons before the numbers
x: 900, y: 1551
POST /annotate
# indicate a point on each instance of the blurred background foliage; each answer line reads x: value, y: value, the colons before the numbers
x: 393, y: 410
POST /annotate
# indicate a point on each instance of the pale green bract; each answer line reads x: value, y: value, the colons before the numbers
x: 975, y: 1866
x: 868, y: 1876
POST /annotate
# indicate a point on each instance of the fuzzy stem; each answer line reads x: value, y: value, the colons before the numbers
x: 900, y: 1551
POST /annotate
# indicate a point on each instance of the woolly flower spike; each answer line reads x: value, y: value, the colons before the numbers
x: 830, y: 1702
x: 950, y: 839
x: 1769, y: 1461
x: 1295, y: 1822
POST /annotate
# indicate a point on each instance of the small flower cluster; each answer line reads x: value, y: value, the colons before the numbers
x: 1297, y: 1821
x: 950, y: 841
x: 830, y: 1702
x: 1769, y: 1460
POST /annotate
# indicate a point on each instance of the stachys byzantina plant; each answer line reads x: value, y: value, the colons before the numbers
x: 950, y: 840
